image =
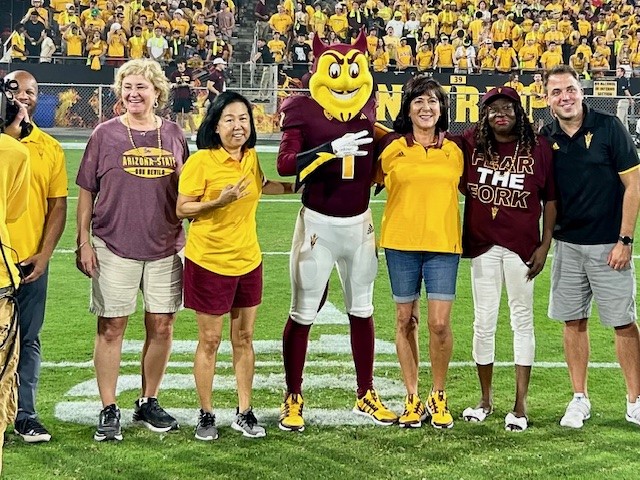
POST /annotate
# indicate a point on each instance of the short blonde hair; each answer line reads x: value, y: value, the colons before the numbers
x: 149, y: 69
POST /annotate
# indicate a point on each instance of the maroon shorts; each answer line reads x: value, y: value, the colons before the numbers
x: 214, y: 294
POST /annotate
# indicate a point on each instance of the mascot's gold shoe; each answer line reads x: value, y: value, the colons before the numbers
x: 291, y: 413
x: 371, y: 406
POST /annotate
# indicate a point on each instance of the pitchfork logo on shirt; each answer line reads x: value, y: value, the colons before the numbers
x: 148, y: 162
x: 500, y: 182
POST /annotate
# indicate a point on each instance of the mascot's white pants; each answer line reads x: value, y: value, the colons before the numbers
x: 319, y: 243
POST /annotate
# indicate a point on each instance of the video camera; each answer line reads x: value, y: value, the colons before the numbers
x: 8, y: 108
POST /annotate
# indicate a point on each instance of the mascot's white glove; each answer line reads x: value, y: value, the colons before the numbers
x: 349, y: 144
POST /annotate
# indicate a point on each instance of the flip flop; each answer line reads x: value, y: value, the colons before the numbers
x: 515, y: 424
x: 476, y: 415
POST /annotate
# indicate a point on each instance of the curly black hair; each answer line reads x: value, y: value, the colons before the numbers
x: 486, y: 140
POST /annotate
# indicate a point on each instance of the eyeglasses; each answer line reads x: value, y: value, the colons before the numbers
x: 506, y: 109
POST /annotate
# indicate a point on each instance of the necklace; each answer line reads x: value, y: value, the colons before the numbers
x: 495, y: 161
x: 155, y: 123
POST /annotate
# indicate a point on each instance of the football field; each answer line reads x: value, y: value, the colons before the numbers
x: 336, y: 443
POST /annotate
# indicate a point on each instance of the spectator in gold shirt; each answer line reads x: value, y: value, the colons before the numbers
x: 551, y: 57
x: 443, y: 57
x: 487, y: 56
x: 339, y: 23
x: 506, y: 59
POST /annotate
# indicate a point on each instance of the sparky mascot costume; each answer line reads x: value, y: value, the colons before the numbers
x: 326, y: 142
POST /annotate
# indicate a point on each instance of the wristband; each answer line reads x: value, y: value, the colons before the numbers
x: 81, y: 245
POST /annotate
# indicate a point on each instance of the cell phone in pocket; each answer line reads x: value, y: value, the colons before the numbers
x: 25, y: 270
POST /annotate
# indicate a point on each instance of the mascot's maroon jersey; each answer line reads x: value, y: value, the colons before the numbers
x: 307, y: 131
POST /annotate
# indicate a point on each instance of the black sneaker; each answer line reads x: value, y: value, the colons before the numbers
x: 108, y: 424
x: 31, y: 430
x: 153, y: 416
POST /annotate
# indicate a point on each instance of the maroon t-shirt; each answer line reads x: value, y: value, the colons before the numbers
x: 182, y: 90
x: 504, y: 199
x: 306, y: 127
x: 137, y: 188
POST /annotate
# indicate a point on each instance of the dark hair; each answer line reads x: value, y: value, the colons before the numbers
x: 486, y: 142
x: 207, y: 135
x: 415, y: 87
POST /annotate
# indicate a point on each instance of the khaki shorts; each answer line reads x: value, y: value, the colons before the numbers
x: 9, y: 354
x: 114, y: 289
x: 579, y: 274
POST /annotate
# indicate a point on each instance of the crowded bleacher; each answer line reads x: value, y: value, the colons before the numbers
x: 460, y: 36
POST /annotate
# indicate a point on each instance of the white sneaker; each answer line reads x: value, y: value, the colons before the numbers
x: 633, y: 412
x: 578, y: 410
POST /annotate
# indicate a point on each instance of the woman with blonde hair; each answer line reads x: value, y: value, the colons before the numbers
x: 129, y: 238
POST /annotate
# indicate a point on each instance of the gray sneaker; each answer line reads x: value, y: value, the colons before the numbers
x: 206, y: 429
x: 108, y: 424
x: 247, y: 423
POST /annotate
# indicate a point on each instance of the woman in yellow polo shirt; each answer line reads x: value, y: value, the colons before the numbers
x: 219, y: 189
x: 421, y: 235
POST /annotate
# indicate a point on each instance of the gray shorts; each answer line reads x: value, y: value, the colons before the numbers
x: 579, y: 274
x: 114, y: 290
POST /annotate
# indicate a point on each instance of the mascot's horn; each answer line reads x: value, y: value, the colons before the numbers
x: 319, y: 47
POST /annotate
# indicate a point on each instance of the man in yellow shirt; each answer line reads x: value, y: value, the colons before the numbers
x: 501, y: 28
x: 487, y: 56
x: 443, y: 57
x: 529, y: 55
x: 18, y: 47
x: 93, y: 22
x: 585, y: 49
x: 43, y: 14
x: 404, y: 55
x: 35, y: 236
x: 372, y: 41
x: 67, y: 18
x: 506, y: 59
x: 276, y: 47
x: 447, y: 18
x: 137, y: 44
x: 475, y: 28
x: 538, y: 102
x: 74, y: 38
x: 280, y: 22
x: 179, y: 23
x: 584, y: 26
x: 551, y: 57
x: 339, y: 23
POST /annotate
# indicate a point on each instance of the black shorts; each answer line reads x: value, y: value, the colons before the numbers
x: 182, y: 105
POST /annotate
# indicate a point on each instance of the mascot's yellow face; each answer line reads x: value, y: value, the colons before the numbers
x: 341, y: 83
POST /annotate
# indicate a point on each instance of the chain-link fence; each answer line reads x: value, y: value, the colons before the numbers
x: 84, y: 106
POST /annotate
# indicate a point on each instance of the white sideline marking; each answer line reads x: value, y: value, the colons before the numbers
x: 326, y: 364
x: 336, y: 344
x: 86, y: 413
x: 330, y: 315
x: 269, y: 381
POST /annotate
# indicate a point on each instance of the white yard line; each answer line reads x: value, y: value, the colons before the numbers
x: 347, y: 364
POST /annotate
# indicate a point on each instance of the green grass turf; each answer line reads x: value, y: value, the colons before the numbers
x: 605, y: 448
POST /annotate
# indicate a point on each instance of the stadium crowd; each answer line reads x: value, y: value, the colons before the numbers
x: 102, y: 32
x: 468, y: 36
x: 475, y: 36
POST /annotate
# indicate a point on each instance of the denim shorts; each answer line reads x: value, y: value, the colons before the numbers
x: 407, y: 269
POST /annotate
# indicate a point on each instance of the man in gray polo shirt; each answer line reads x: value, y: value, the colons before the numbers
x: 597, y: 172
